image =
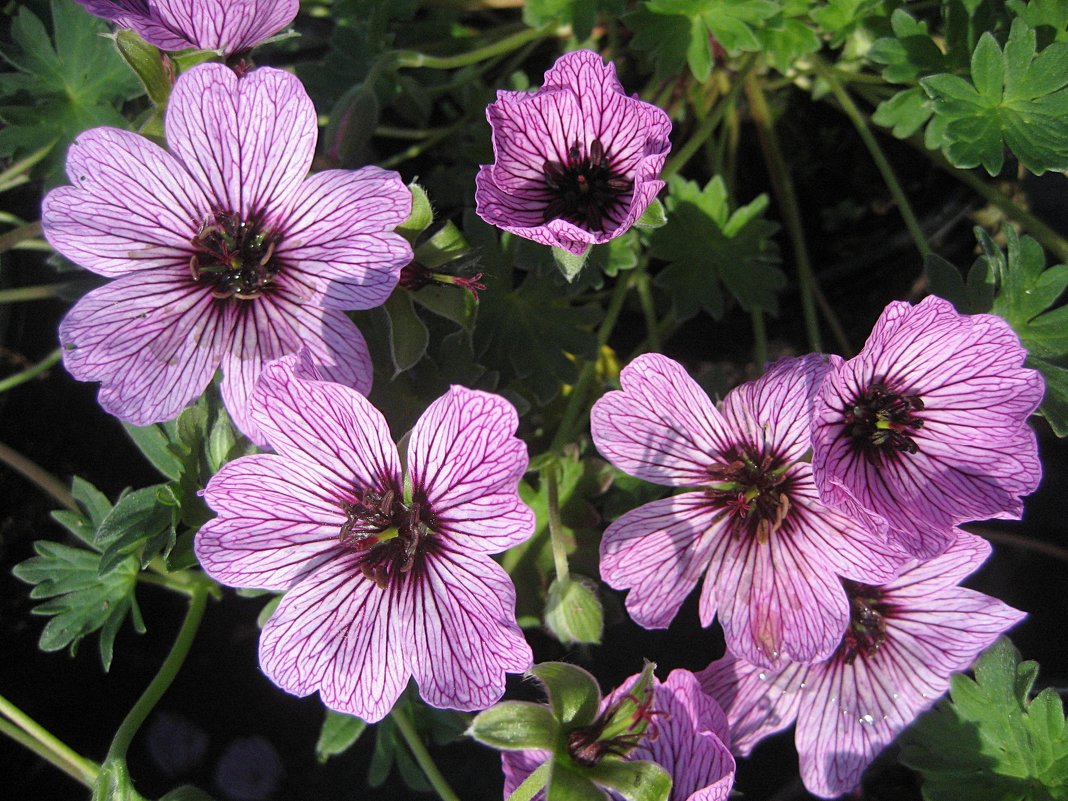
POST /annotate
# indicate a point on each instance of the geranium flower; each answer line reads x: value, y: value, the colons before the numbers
x: 687, y: 734
x: 904, y: 641
x: 221, y: 251
x: 577, y: 161
x: 771, y: 552
x: 229, y: 26
x: 387, y: 574
x: 927, y: 425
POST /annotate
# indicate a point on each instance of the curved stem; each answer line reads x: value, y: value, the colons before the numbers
x: 29, y: 733
x: 422, y: 756
x: 30, y: 373
x: 158, y: 686
x: 410, y: 58
x: 13, y: 237
x: 44, y: 480
x: 645, y: 297
x: 15, y: 175
x: 1021, y: 541
x: 860, y: 122
x: 782, y: 184
x: 23, y: 293
x: 556, y: 534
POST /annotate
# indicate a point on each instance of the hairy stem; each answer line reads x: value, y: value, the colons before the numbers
x: 163, y: 679
x: 860, y: 122
x: 422, y: 756
x: 782, y: 185
x: 30, y: 373
x: 44, y: 480
x: 24, y: 730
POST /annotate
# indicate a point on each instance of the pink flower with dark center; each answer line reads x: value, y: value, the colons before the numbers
x: 387, y: 573
x: 927, y: 425
x: 223, y: 251
x: 229, y: 26
x: 577, y: 161
x: 687, y: 734
x: 770, y: 552
x: 904, y: 641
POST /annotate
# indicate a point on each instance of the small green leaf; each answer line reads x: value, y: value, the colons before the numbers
x: 136, y: 520
x: 653, y: 217
x: 573, y: 611
x: 570, y: 264
x: 421, y: 216
x: 408, y: 334
x: 905, y: 113
x: 910, y: 53
x: 153, y: 441
x: 339, y: 733
x: 573, y: 693
x: 147, y: 63
x: 635, y: 780
x: 447, y: 244
x: 516, y: 726
x: 569, y: 784
x: 1055, y: 402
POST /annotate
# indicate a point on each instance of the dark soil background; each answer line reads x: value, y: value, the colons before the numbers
x: 226, y: 728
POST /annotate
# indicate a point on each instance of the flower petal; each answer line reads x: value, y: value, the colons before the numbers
x: 338, y: 247
x: 229, y: 26
x: 132, y: 206
x: 659, y: 551
x: 277, y: 518
x: 328, y: 424
x: 338, y: 633
x: 152, y: 339
x: 273, y: 326
x: 662, y: 427
x: 249, y: 140
x: 465, y: 458
x: 464, y: 634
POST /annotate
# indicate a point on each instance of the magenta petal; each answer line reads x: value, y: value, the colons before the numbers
x: 331, y: 425
x: 662, y: 427
x: 339, y: 245
x: 463, y: 631
x: 249, y: 139
x: 153, y: 340
x: 336, y: 632
x: 132, y: 205
x: 229, y: 26
x: 274, y: 326
x: 276, y: 519
x: 465, y: 456
x: 659, y: 551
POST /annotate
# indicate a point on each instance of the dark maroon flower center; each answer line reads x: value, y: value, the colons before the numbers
x: 235, y: 256
x: 585, y: 189
x: 754, y: 489
x: 391, y: 534
x: 867, y: 621
x: 880, y: 422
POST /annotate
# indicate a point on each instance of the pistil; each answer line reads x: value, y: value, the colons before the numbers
x: 585, y: 187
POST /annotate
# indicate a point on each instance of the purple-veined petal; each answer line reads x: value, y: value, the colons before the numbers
x: 229, y: 26
x: 132, y: 206
x: 781, y: 603
x: 961, y: 559
x: 339, y: 247
x: 464, y: 457
x: 463, y: 630
x: 661, y: 427
x: 273, y: 326
x: 327, y: 424
x: 277, y: 519
x: 154, y: 340
x: 338, y: 633
x: 517, y: 765
x: 249, y: 140
x: 659, y: 551
x: 774, y: 410
x: 114, y: 9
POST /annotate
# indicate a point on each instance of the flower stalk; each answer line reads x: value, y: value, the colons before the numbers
x: 422, y: 755
x: 24, y: 730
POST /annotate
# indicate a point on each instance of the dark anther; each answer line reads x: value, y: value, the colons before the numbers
x: 867, y: 623
x: 390, y: 533
x: 585, y: 188
x: 880, y: 422
x: 236, y: 256
x: 754, y: 490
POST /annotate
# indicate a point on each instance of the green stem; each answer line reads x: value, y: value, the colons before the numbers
x: 158, y: 686
x: 577, y: 402
x: 410, y: 58
x: 860, y: 122
x: 13, y: 237
x: 416, y: 150
x: 782, y: 185
x: 12, y: 381
x: 532, y: 783
x: 13, y: 175
x: 44, y: 480
x: 645, y: 296
x: 760, y: 337
x: 422, y: 756
x: 556, y: 534
x: 708, y: 125
x: 24, y: 293
x: 29, y: 733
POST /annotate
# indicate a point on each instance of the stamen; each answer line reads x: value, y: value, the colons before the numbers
x: 586, y: 190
